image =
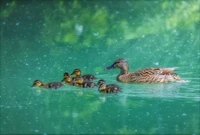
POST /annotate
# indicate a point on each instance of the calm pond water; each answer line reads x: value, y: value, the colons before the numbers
x: 42, y: 41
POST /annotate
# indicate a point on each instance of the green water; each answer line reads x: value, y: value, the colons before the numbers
x: 42, y: 40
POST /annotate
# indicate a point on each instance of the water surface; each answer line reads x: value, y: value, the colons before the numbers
x: 44, y: 40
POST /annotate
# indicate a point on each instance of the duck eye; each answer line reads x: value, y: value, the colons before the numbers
x: 116, y: 62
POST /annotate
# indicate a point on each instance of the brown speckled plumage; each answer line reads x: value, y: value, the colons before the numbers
x: 147, y: 75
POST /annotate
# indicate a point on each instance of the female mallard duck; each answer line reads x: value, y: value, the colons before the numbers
x: 110, y: 88
x: 80, y: 82
x: 148, y: 75
x: 67, y: 79
x: 48, y: 85
x: 87, y: 77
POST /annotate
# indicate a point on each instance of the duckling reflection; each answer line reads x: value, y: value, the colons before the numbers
x: 87, y: 77
x: 80, y: 82
x: 48, y: 85
x: 110, y: 88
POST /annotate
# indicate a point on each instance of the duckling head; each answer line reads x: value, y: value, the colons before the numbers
x: 66, y: 74
x: 66, y: 77
x: 76, y: 72
x: 101, y: 81
x: 119, y: 63
x: 37, y: 83
x: 79, y: 80
x: 102, y: 87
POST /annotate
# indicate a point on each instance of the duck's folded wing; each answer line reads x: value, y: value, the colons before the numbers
x: 154, y: 71
x: 55, y: 85
x: 89, y: 77
x: 112, y: 88
x: 153, y: 75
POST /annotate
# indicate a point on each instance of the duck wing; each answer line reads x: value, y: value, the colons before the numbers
x: 112, y: 88
x: 88, y: 85
x: 154, y: 75
x: 55, y: 85
x: 89, y: 77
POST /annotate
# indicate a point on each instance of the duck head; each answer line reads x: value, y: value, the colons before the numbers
x: 119, y: 63
x: 76, y: 72
x: 37, y: 83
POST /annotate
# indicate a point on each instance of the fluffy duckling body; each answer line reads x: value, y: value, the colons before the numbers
x: 87, y: 77
x: 80, y: 82
x: 48, y: 85
x: 147, y: 75
x: 67, y: 79
x: 109, y: 88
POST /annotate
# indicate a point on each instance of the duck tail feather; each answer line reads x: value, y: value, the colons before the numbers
x: 169, y: 70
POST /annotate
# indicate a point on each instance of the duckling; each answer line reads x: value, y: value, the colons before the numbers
x: 87, y: 77
x: 110, y: 88
x: 147, y: 75
x: 103, y: 81
x: 48, y: 85
x: 67, y: 79
x: 80, y: 82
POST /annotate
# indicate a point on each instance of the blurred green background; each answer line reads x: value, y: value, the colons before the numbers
x: 43, y: 39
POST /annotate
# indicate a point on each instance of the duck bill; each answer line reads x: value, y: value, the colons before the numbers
x: 33, y: 85
x: 110, y: 67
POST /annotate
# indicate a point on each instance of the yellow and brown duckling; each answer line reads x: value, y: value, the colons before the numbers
x: 48, y: 85
x: 147, y: 75
x: 108, y: 88
x: 87, y: 77
x: 80, y: 82
x: 67, y: 79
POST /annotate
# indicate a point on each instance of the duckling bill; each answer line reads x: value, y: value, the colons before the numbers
x: 48, y: 85
x: 147, y: 75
